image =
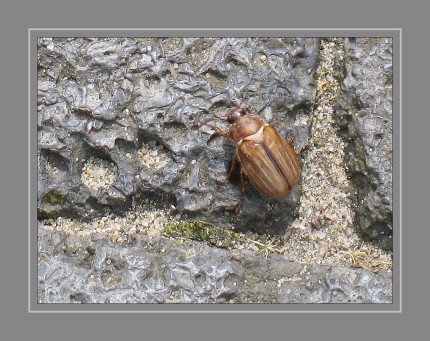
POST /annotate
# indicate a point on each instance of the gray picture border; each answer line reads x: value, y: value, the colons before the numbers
x: 35, y: 307
x: 15, y: 19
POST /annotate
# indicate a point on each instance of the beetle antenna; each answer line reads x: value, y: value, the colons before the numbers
x: 243, y: 98
x: 263, y: 107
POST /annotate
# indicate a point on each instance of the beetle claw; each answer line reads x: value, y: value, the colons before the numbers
x: 219, y: 181
x: 218, y: 132
x: 303, y: 151
x: 239, y: 206
x: 292, y: 138
x: 243, y: 98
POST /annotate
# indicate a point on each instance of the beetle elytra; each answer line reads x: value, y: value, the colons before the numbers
x: 269, y: 161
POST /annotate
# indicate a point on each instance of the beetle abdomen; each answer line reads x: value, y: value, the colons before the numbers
x: 270, y: 162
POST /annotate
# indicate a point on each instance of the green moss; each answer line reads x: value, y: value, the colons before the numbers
x: 147, y: 201
x: 317, y: 142
x: 205, y: 232
x: 317, y: 75
x: 54, y: 214
x: 54, y: 197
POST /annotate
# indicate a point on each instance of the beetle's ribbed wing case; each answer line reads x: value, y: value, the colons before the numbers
x: 271, y: 165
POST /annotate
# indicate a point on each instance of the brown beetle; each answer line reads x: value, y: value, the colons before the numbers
x: 267, y: 159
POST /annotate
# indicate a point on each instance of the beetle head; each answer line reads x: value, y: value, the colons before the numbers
x: 235, y: 113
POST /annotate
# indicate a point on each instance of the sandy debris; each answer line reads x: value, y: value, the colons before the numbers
x: 323, y: 233
x: 98, y: 174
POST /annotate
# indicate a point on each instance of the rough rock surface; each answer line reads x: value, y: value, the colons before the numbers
x: 364, y: 114
x: 92, y: 270
x: 121, y: 124
x: 139, y: 106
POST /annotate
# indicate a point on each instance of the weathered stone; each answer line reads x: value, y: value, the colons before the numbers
x: 364, y: 113
x: 88, y: 270
x: 109, y: 99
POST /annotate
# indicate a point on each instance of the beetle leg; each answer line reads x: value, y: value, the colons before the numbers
x: 233, y: 164
x: 239, y: 205
x: 292, y: 139
x: 218, y: 132
x: 242, y: 191
x: 242, y: 182
x: 303, y: 151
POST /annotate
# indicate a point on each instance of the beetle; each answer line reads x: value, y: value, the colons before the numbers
x: 269, y: 161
